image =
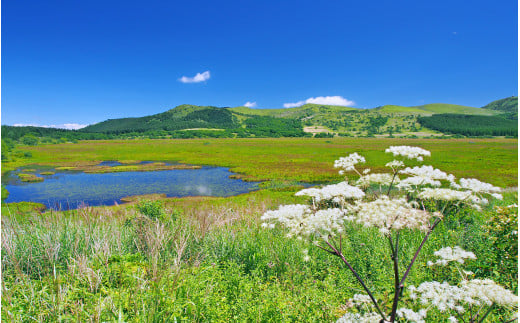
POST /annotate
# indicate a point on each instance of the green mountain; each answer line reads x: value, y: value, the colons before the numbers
x: 314, y: 118
x: 181, y: 117
x: 506, y: 105
x: 434, y: 108
x: 190, y: 121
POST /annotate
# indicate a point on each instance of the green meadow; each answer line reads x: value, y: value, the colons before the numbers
x: 207, y: 259
x: 288, y: 159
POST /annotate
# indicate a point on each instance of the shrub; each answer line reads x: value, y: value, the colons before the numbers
x: 152, y: 209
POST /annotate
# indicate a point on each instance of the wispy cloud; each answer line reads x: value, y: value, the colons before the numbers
x: 69, y: 126
x: 294, y: 104
x: 250, y: 104
x: 200, y: 77
x: 325, y: 100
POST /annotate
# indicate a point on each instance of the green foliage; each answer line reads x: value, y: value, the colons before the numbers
x: 501, y: 261
x: 152, y: 209
x: 29, y: 140
x: 273, y: 127
x: 5, y: 193
x: 94, y: 264
x: 470, y: 125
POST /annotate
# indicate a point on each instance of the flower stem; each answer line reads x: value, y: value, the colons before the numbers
x: 391, y: 183
x: 487, y: 313
x: 417, y: 252
x: 397, y: 286
x: 339, y: 254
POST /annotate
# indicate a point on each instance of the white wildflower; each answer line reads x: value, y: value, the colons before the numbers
x: 387, y: 214
x: 359, y: 318
x: 408, y: 314
x: 341, y: 190
x: 301, y: 221
x: 489, y: 292
x: 395, y: 164
x: 475, y: 292
x: 411, y: 183
x: 347, y: 163
x: 445, y: 194
x: 409, y: 152
x: 378, y: 179
x: 366, y: 171
x: 360, y: 299
x: 497, y: 196
x: 477, y: 186
x: 427, y: 172
x: 449, y: 254
x: 441, y: 295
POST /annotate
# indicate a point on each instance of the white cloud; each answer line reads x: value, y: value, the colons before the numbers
x: 69, y: 126
x: 250, y: 104
x: 325, y: 100
x: 200, y: 77
x: 74, y: 126
x: 293, y: 105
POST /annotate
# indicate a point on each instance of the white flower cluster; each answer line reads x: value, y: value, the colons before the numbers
x: 334, y: 192
x: 387, y: 214
x: 302, y: 221
x: 490, y: 292
x: 412, y: 183
x: 449, y: 254
x: 360, y: 299
x: 378, y: 179
x: 445, y: 194
x: 409, y: 315
x: 424, y: 175
x: 409, y: 152
x: 287, y: 215
x: 347, y: 163
x: 395, y: 164
x: 477, y: 186
x: 359, y: 318
x: 474, y: 292
x: 427, y: 171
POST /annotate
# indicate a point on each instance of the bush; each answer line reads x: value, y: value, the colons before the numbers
x: 152, y: 209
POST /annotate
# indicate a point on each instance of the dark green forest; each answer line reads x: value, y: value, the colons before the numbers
x: 470, y: 125
x: 208, y: 117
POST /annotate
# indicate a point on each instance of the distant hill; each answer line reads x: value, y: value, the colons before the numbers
x: 298, y: 112
x: 434, y: 108
x: 506, y: 105
x: 190, y: 121
x: 181, y: 117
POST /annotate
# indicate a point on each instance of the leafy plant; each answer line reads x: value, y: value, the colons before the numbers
x: 152, y: 209
x: 373, y: 202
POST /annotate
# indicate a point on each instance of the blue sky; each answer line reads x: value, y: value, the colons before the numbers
x: 81, y: 62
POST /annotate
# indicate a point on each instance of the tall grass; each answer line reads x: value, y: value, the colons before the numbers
x: 205, y: 260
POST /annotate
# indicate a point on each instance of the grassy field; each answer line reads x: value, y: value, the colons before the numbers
x: 286, y: 159
x: 207, y: 259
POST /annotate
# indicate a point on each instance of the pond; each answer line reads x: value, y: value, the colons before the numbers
x: 69, y: 190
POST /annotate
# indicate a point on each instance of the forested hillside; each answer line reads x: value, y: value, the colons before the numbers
x: 189, y: 121
x: 182, y: 117
x: 470, y: 125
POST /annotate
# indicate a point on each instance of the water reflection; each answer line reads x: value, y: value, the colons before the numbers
x: 72, y: 189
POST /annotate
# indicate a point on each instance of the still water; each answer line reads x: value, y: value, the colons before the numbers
x: 68, y: 190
